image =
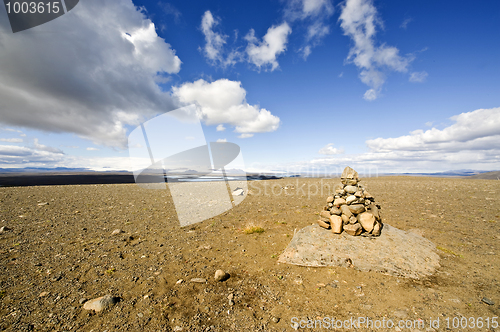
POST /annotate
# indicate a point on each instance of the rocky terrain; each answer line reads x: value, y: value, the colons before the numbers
x: 63, y: 246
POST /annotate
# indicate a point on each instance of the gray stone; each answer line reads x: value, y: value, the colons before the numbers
x: 353, y: 229
x: 376, y: 229
x: 357, y: 208
x: 221, y: 275
x: 374, y: 210
x: 323, y: 224
x: 367, y: 221
x: 394, y: 252
x: 487, y: 301
x: 345, y: 219
x: 349, y: 174
x: 351, y: 189
x: 345, y: 210
x: 324, y: 214
x: 335, y: 210
x: 350, y: 199
x: 339, y: 202
x: 359, y: 194
x: 336, y: 223
x: 100, y: 303
x: 353, y: 220
x: 329, y: 199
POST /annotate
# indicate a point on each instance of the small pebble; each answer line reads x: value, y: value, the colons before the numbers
x: 221, y: 275
x: 199, y: 280
x: 117, y: 232
x: 487, y: 301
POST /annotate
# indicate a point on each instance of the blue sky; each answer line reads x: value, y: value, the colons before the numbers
x: 299, y: 85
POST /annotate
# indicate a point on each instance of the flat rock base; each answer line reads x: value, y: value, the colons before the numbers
x: 394, y: 252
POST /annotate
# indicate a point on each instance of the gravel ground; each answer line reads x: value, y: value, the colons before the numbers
x: 56, y: 256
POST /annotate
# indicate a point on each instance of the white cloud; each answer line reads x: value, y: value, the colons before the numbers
x: 221, y: 127
x: 224, y: 101
x: 477, y: 130
x: 92, y: 149
x: 93, y: 77
x: 265, y: 52
x: 221, y: 140
x: 429, y: 123
x: 19, y: 156
x: 471, y: 142
x: 405, y: 23
x: 214, y: 41
x: 245, y: 136
x: 418, y: 77
x: 11, y: 140
x: 359, y: 20
x: 315, y: 15
x: 329, y: 149
x: 46, y: 148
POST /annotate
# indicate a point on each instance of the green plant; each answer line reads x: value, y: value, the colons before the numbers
x: 253, y: 229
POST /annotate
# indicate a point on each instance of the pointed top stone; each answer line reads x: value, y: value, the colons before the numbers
x: 349, y: 176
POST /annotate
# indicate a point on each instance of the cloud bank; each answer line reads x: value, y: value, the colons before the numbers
x: 91, y: 72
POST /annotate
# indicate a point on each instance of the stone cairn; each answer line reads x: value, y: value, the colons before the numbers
x: 351, y: 209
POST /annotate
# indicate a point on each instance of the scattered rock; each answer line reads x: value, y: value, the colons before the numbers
x: 323, y: 224
x: 353, y: 229
x: 345, y: 210
x: 324, y: 214
x: 101, y: 303
x: 117, y: 232
x: 221, y: 275
x: 335, y: 210
x: 349, y: 176
x: 42, y: 204
x: 339, y: 202
x: 357, y: 208
x: 336, y: 223
x: 487, y: 301
x: 199, y: 280
x: 4, y: 229
x: 43, y: 294
x: 367, y: 221
x: 180, y: 281
x: 275, y: 319
x: 82, y: 300
x: 351, y: 189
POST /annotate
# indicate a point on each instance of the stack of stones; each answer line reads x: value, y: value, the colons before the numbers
x: 351, y: 209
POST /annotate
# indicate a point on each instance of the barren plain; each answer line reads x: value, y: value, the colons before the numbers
x: 57, y: 251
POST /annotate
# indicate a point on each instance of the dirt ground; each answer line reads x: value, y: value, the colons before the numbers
x: 57, y: 255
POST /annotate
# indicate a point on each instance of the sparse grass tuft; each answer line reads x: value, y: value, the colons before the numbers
x: 111, y: 271
x: 253, y: 229
x: 448, y: 251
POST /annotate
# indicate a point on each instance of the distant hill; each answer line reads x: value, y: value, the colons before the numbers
x: 486, y: 176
